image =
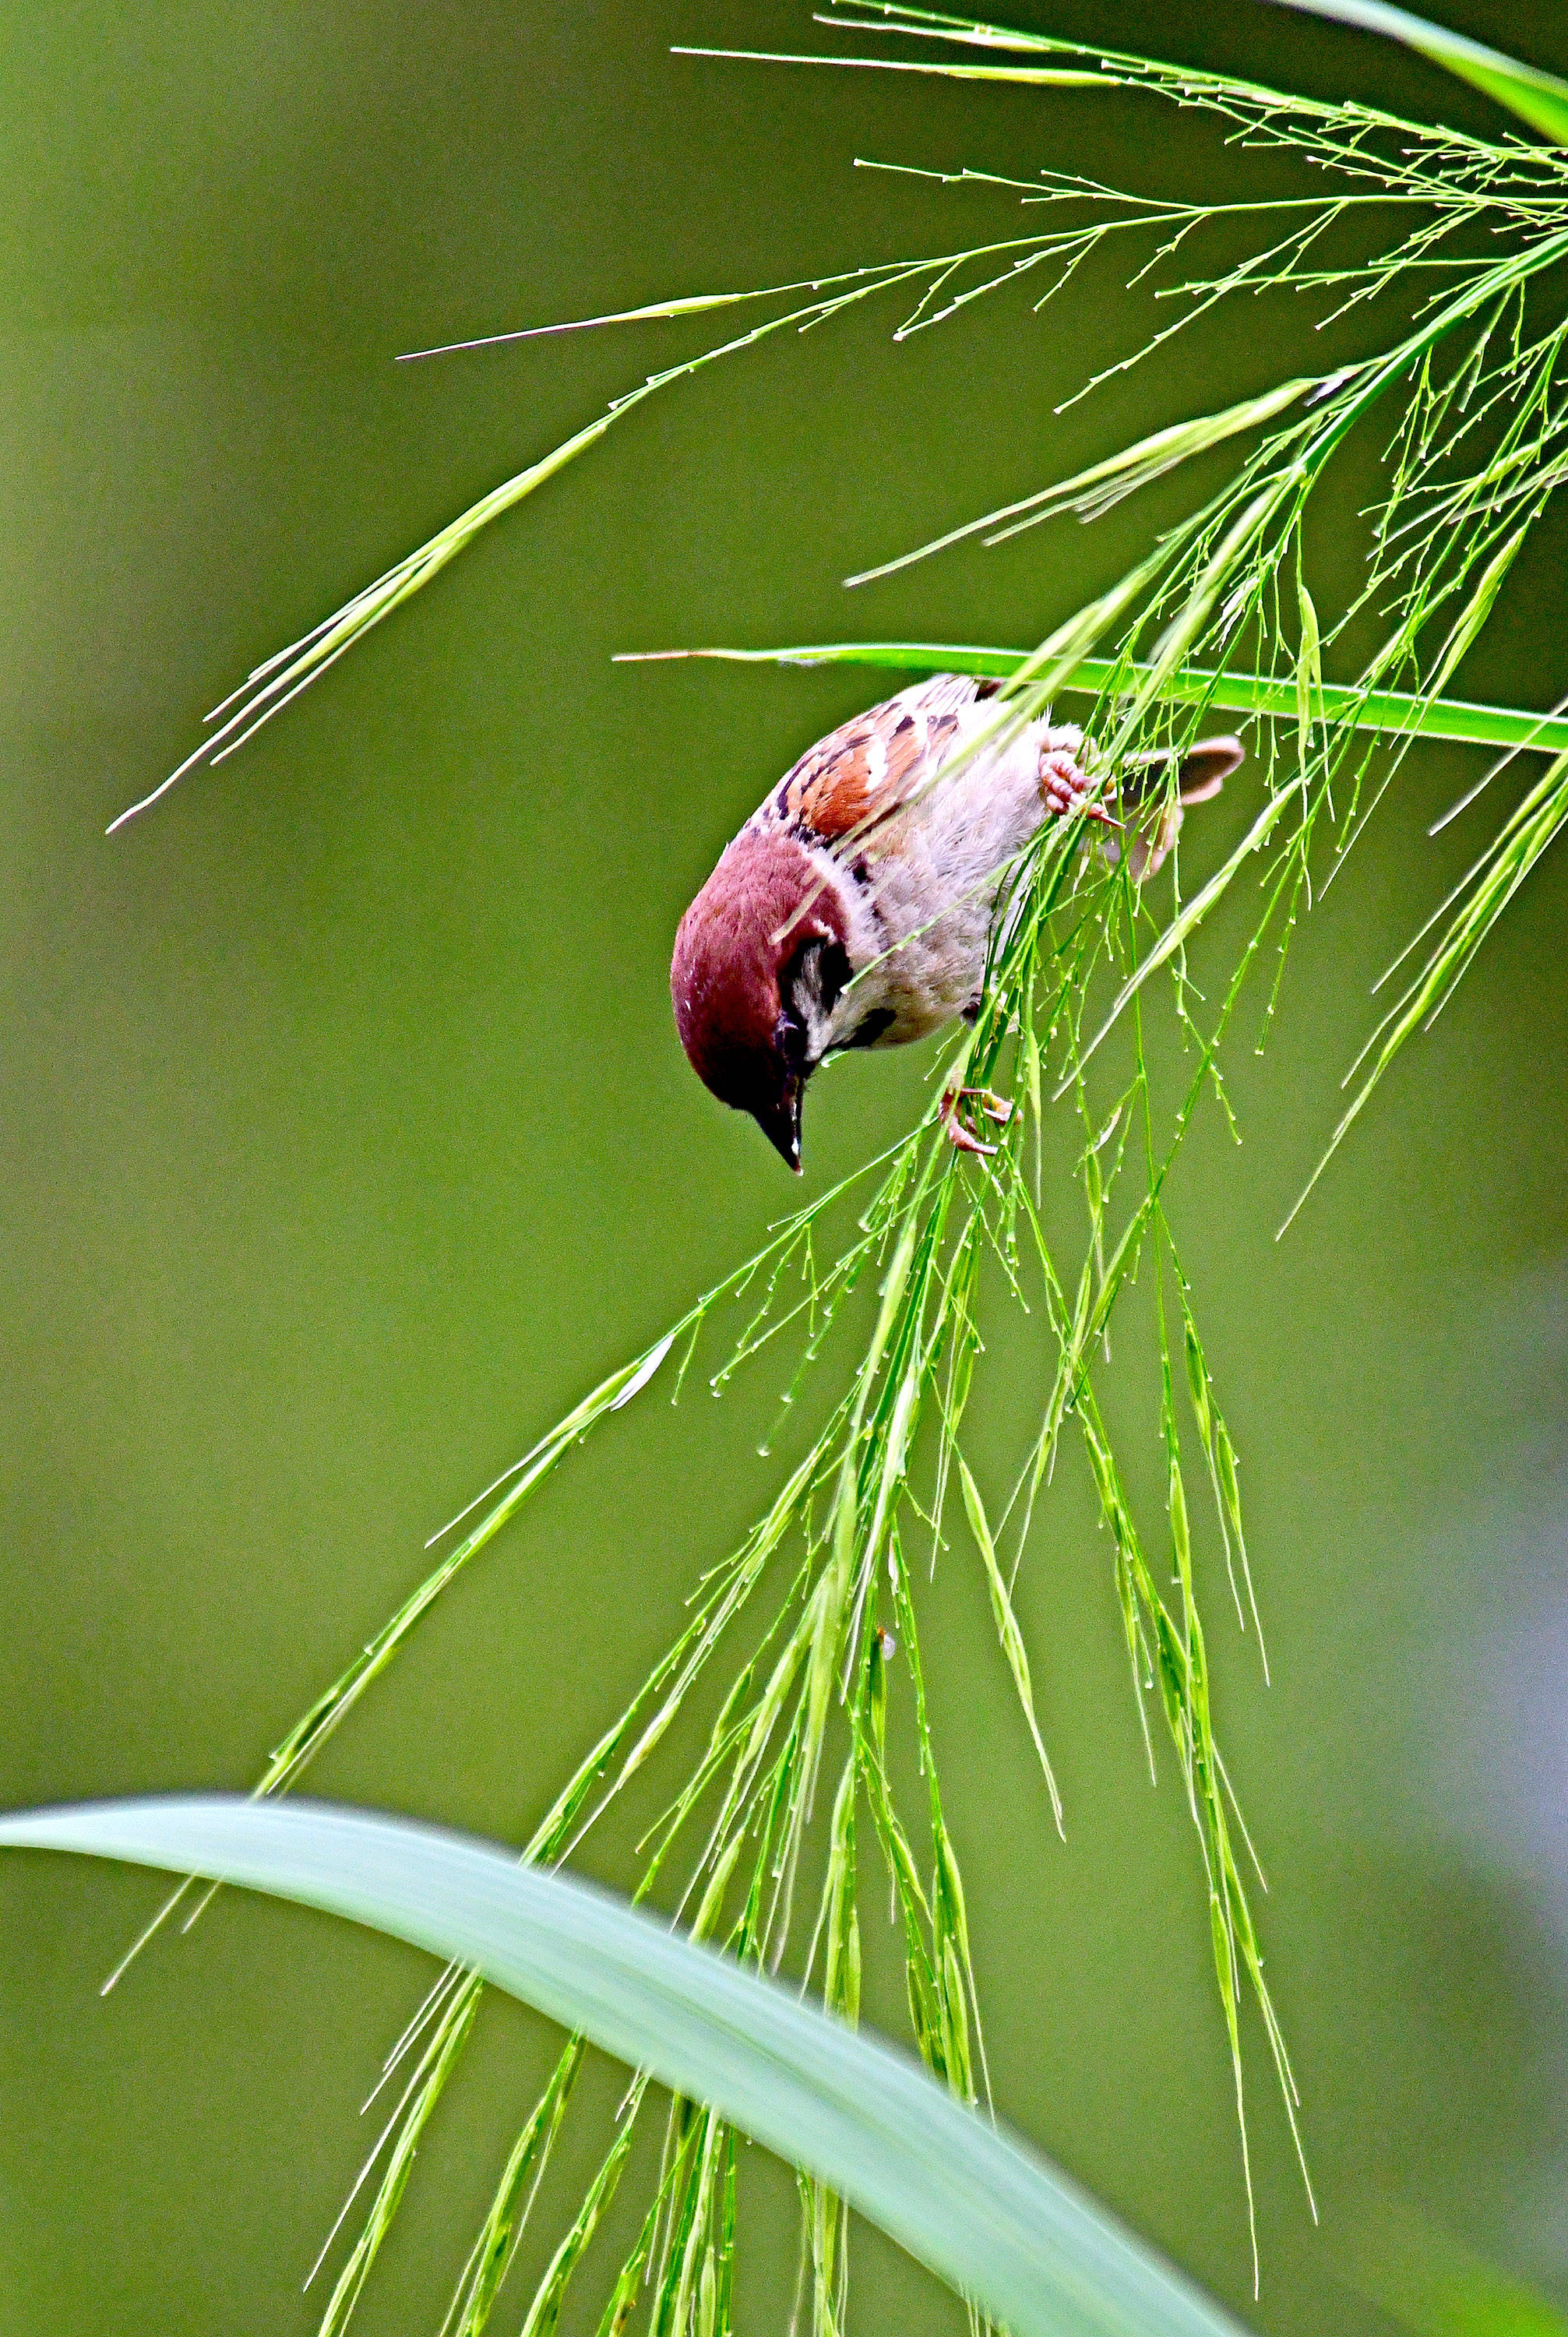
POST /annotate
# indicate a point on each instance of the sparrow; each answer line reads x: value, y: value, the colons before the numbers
x: 854, y: 908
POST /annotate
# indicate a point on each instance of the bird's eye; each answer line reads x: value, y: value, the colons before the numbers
x: 792, y: 1039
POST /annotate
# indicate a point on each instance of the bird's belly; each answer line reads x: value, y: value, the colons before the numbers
x: 935, y: 975
x: 934, y: 890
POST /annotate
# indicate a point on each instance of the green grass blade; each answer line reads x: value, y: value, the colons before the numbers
x: 272, y: 685
x: 1539, y: 98
x: 963, y: 2198
x: 1091, y: 491
x: 1007, y: 1629
x: 1393, y: 710
x: 1056, y: 77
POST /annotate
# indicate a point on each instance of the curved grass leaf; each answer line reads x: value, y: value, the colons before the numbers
x: 974, y: 2205
x: 1395, y: 712
x: 1539, y: 98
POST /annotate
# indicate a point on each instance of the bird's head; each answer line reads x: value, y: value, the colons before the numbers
x: 759, y: 965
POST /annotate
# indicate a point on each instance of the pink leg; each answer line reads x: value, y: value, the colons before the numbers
x: 995, y: 1107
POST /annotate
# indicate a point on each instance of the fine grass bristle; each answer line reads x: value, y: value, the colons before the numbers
x: 868, y: 1305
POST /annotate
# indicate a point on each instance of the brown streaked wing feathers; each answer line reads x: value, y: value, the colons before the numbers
x: 869, y: 765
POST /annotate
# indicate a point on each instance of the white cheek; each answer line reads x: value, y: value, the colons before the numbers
x: 818, y: 1031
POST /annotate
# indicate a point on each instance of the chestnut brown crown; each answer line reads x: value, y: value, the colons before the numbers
x: 763, y: 929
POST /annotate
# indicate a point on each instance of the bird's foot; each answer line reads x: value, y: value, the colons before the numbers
x: 1065, y: 790
x: 995, y: 1107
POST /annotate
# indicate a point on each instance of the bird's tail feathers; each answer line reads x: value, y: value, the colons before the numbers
x: 1201, y: 771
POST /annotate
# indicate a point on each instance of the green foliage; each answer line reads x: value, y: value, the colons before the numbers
x: 966, y: 2200
x: 869, y: 1301
x: 1398, y: 712
x: 1538, y: 98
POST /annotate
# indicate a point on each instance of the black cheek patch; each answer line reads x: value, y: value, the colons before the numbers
x: 817, y: 975
x: 835, y: 974
x: 867, y: 1031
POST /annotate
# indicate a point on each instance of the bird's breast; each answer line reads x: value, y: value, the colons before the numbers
x: 930, y: 880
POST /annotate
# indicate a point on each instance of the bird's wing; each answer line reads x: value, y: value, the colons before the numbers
x: 864, y: 770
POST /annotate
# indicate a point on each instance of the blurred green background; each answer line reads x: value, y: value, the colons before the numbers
x: 348, y: 1138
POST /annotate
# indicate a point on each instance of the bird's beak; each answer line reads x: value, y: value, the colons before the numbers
x: 781, y: 1123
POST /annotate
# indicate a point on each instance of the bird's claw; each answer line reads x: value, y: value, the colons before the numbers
x: 995, y: 1107
x: 1066, y: 789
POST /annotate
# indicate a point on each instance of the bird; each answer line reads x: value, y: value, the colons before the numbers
x: 855, y: 905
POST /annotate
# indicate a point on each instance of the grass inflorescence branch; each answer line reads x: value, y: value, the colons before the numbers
x: 802, y: 1648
